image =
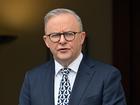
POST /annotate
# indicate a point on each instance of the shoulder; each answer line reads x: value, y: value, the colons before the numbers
x: 100, y: 67
x: 104, y: 72
x: 41, y: 69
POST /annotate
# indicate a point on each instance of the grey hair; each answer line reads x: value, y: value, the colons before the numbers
x: 59, y: 11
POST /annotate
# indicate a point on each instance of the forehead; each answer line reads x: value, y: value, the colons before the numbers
x: 63, y: 22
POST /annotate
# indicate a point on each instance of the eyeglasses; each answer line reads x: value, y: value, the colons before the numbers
x: 69, y: 36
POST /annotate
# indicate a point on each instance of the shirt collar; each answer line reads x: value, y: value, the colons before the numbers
x: 74, y: 66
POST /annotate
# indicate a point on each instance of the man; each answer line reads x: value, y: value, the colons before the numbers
x: 70, y: 78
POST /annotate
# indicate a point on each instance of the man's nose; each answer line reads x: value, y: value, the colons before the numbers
x: 62, y: 39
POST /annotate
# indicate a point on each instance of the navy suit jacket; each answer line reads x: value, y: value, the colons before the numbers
x: 96, y: 84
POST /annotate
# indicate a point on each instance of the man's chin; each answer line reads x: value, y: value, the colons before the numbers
x: 64, y: 56
x: 64, y: 59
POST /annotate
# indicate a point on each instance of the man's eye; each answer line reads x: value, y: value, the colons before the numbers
x: 55, y: 35
x: 68, y: 33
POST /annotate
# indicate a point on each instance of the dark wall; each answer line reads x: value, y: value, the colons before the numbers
x: 135, y: 50
x: 126, y: 50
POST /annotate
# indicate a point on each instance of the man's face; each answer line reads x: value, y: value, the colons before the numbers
x: 64, y: 51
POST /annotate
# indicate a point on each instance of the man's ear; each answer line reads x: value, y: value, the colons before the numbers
x: 83, y: 36
x: 46, y: 41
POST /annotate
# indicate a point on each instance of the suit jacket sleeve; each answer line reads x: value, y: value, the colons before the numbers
x: 113, y: 93
x: 24, y: 98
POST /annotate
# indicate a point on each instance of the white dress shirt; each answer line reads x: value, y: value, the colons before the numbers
x: 74, y: 66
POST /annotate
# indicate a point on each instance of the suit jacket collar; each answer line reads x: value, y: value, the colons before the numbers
x: 84, y: 75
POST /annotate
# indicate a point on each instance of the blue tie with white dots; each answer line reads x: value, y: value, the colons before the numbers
x: 65, y: 88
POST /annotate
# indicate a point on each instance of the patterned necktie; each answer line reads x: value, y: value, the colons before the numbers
x: 65, y: 89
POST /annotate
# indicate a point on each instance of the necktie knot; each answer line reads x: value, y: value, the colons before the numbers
x: 65, y: 71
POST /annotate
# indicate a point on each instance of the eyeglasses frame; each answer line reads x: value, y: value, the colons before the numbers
x: 62, y: 33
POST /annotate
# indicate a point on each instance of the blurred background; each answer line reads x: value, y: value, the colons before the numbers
x: 113, y: 32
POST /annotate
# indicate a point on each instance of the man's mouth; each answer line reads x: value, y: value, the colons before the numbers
x: 63, y: 49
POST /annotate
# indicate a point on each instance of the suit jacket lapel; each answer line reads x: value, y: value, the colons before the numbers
x: 81, y: 82
x: 48, y: 89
